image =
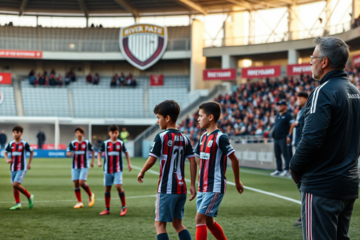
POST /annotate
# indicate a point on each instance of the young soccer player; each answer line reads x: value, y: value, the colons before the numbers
x: 113, y: 167
x: 18, y: 149
x: 171, y: 147
x: 79, y: 149
x: 213, y: 150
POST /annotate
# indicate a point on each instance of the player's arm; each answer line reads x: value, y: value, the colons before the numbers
x: 236, y: 169
x: 227, y: 149
x: 91, y: 148
x: 93, y: 158
x: 99, y: 156
x: 70, y: 150
x: 128, y: 160
x: 127, y: 155
x: 30, y: 160
x: 29, y: 149
x: 193, y: 169
x: 7, y: 159
x: 148, y: 164
x: 7, y: 150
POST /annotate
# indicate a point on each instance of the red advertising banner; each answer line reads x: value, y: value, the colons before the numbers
x: 356, y: 60
x: 5, y: 78
x: 19, y: 54
x: 156, y: 80
x: 297, y: 69
x: 261, y: 72
x: 49, y: 146
x: 219, y: 74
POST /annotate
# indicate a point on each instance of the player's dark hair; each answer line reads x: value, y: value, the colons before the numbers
x: 213, y: 108
x: 18, y: 129
x: 80, y: 129
x: 113, y: 128
x: 303, y: 94
x: 168, y: 108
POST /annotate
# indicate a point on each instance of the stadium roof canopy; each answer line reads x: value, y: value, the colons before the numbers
x: 137, y: 8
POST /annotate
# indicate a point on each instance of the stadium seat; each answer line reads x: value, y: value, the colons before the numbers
x: 8, y: 106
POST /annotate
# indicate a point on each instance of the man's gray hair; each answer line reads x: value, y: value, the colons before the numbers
x: 335, y: 49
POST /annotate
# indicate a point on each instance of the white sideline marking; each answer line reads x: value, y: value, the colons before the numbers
x: 248, y: 188
x: 97, y: 199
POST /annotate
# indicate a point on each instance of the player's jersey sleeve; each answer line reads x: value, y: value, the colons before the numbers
x: 90, y: 147
x: 70, y: 148
x: 225, y: 145
x: 155, y: 151
x: 102, y: 147
x: 28, y: 148
x: 124, y: 149
x: 189, y: 151
x: 8, y: 148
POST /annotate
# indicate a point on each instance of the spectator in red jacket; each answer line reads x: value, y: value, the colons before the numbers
x: 88, y: 78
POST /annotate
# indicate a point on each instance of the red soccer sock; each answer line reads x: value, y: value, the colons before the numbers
x: 16, y: 195
x: 201, y: 232
x: 217, y: 231
x: 122, y: 198
x: 78, y: 194
x: 107, y: 200
x: 25, y: 192
x: 87, y: 189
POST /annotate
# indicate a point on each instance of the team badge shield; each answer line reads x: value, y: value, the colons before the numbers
x: 143, y: 45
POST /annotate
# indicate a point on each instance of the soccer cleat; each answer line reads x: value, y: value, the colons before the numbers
x: 105, y: 212
x: 285, y: 173
x: 92, y: 200
x: 16, y: 206
x: 79, y: 205
x: 276, y: 173
x: 31, y: 201
x: 123, y: 211
x: 297, y: 223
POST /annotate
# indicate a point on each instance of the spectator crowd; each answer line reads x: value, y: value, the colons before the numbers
x: 251, y: 108
x: 50, y: 79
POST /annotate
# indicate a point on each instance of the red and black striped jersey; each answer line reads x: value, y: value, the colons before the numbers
x: 172, y: 147
x: 213, y: 150
x: 113, y: 159
x: 81, y: 153
x: 18, y: 154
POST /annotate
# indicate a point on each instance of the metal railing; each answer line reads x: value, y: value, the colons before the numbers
x: 78, y: 45
x: 279, y: 37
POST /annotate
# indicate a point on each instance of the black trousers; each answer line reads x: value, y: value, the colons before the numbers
x: 325, y: 219
x: 280, y: 147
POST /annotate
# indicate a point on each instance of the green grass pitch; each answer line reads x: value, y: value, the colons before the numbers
x: 251, y: 215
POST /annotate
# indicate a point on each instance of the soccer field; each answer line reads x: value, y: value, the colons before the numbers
x: 252, y: 215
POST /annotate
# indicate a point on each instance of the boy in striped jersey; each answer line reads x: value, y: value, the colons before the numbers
x: 18, y: 149
x: 213, y: 150
x: 113, y: 167
x: 79, y: 149
x: 171, y: 147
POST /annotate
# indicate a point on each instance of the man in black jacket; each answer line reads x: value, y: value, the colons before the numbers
x: 283, y: 122
x: 3, y: 139
x: 325, y: 163
x: 41, y: 138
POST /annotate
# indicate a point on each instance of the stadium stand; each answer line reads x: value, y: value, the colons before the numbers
x: 251, y: 108
x: 45, y: 101
x: 8, y: 106
x: 92, y: 101
x: 81, y: 39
